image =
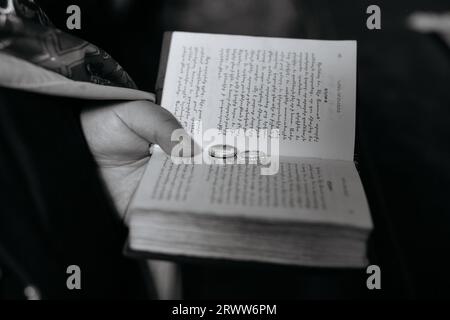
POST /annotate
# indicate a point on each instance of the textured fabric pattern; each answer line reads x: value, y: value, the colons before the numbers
x: 27, y: 33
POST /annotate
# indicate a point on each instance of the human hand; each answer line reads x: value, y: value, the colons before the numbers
x: 119, y: 136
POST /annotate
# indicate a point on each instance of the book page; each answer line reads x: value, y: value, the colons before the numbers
x: 304, y: 88
x: 307, y: 190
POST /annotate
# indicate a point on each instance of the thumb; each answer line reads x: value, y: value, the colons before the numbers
x: 153, y: 123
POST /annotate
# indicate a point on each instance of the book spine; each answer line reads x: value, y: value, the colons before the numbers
x: 164, y: 56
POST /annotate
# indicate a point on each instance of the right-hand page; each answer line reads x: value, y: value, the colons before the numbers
x: 304, y: 88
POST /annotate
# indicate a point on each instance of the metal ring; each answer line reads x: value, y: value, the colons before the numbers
x: 222, y: 151
x: 253, y: 157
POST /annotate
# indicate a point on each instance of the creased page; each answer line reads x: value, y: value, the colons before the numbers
x: 303, y: 88
x: 307, y: 190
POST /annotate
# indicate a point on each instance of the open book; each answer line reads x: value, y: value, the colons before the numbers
x: 311, y: 210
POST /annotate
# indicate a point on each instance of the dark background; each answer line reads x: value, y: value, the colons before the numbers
x: 403, y: 129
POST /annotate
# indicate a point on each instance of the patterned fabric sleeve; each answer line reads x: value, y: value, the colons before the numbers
x: 27, y: 33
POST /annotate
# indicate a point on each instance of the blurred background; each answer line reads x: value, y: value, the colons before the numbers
x: 403, y: 127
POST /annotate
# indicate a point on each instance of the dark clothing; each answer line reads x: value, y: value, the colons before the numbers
x: 54, y: 210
